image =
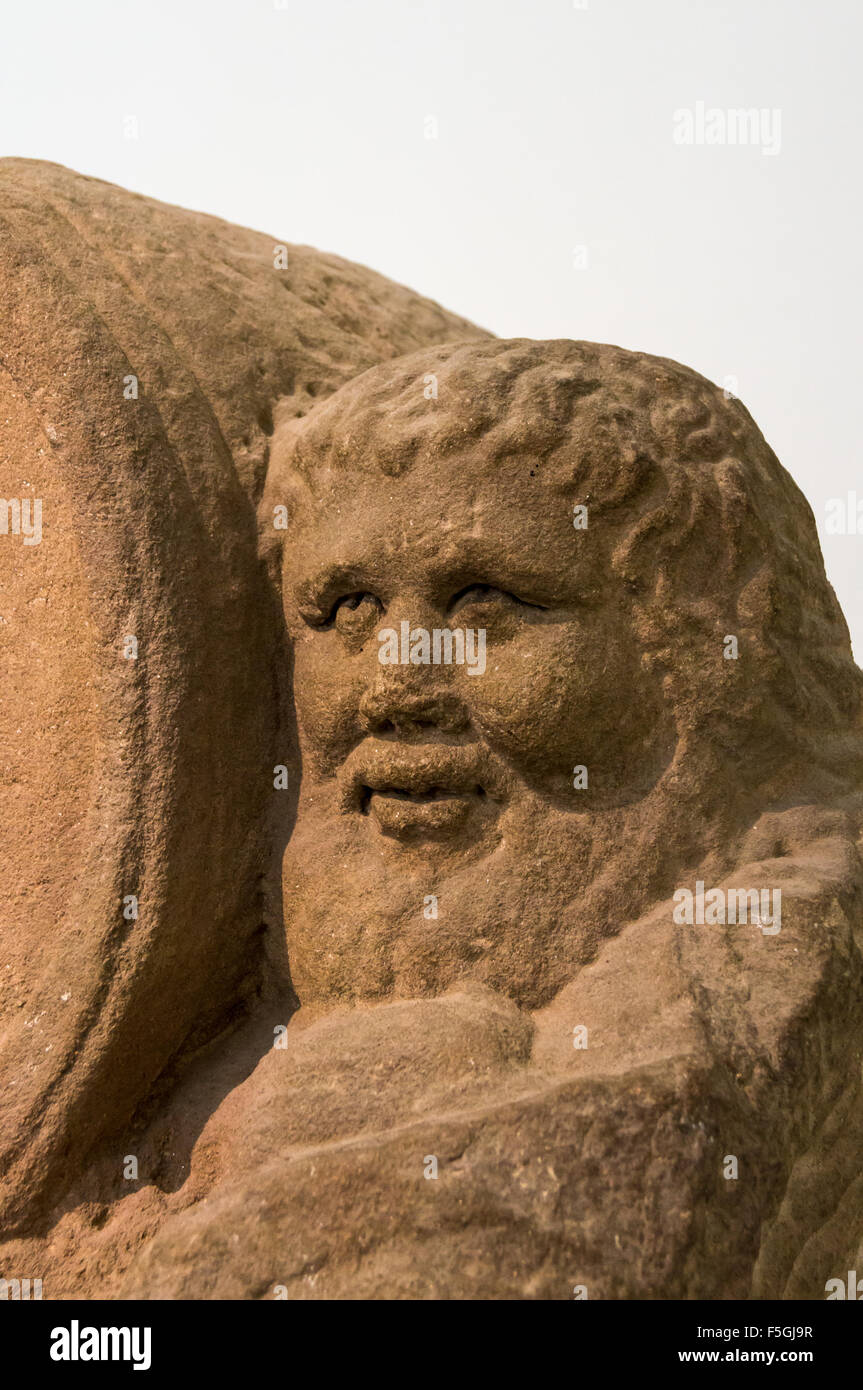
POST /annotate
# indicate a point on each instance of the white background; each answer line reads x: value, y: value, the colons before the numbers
x: 554, y: 131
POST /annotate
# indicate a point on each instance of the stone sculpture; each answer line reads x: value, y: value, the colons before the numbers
x: 490, y: 784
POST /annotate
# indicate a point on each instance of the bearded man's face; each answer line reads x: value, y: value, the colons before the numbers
x: 442, y: 801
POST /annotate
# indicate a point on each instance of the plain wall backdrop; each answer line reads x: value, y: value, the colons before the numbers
x: 517, y: 161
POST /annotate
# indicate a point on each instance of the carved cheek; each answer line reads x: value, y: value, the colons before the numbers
x: 528, y: 702
x: 558, y: 695
x: 328, y: 688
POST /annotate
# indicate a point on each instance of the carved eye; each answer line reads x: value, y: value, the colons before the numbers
x: 354, y: 614
x: 488, y: 595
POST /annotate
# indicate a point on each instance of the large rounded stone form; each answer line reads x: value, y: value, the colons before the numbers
x: 143, y: 353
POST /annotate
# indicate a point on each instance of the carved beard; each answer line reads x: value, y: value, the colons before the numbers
x: 519, y: 906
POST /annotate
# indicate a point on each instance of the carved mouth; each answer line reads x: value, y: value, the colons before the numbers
x: 417, y: 798
x: 422, y: 791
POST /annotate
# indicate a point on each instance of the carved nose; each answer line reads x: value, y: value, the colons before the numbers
x: 391, y: 707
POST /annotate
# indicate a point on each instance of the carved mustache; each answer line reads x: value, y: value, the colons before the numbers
x: 422, y: 770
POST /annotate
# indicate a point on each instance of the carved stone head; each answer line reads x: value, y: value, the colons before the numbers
x: 560, y: 631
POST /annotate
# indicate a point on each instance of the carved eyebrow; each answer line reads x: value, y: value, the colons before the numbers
x: 321, y: 589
